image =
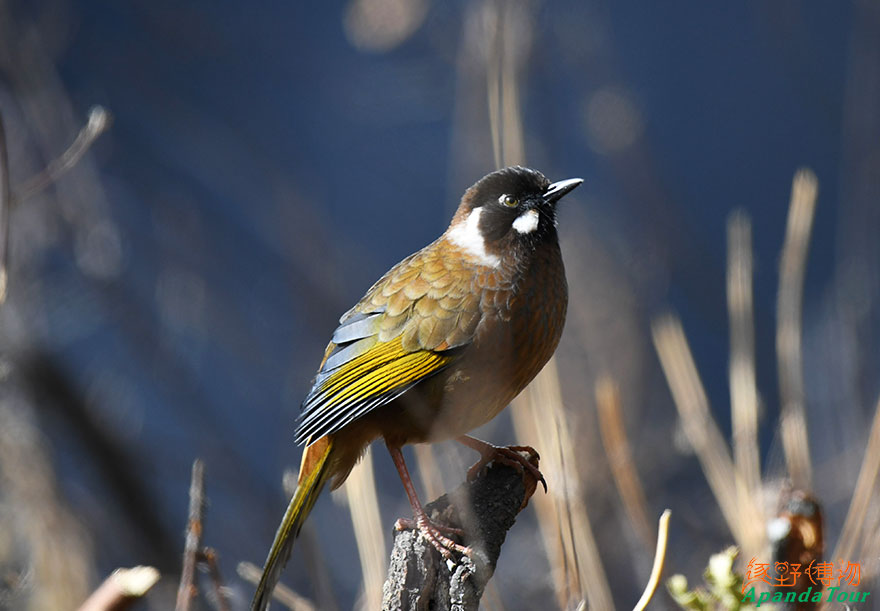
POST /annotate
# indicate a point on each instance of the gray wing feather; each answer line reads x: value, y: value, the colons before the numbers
x: 344, y: 354
x: 358, y: 326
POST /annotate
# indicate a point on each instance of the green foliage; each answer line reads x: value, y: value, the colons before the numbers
x: 722, y: 591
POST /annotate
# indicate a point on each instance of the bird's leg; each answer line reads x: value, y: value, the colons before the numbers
x: 429, y: 529
x: 507, y: 455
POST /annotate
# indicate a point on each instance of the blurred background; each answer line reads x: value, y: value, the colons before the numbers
x: 170, y: 297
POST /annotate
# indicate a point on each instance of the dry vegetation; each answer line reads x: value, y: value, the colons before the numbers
x: 589, y: 412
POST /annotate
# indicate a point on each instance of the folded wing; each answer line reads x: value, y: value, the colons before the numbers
x: 409, y: 326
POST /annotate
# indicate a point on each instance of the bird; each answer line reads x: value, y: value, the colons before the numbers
x: 438, y: 346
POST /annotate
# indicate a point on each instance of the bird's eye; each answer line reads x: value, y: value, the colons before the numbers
x: 509, y: 201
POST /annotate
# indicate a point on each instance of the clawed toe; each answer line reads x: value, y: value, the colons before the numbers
x: 511, y: 456
x: 436, y: 534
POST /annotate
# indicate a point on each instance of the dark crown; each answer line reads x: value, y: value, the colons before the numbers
x: 514, y: 180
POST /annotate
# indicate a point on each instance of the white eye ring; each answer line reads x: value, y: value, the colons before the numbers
x: 508, y: 200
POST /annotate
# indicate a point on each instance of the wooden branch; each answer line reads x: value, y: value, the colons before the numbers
x: 251, y: 573
x: 99, y: 122
x: 5, y: 206
x: 659, y: 561
x: 207, y: 557
x: 789, y: 329
x: 121, y: 589
x: 187, y: 590
x: 419, y: 578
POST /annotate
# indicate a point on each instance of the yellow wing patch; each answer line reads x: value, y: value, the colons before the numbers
x: 371, y: 379
x: 411, y: 324
x: 383, y: 368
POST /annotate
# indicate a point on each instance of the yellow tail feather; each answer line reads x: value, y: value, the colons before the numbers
x: 313, y: 474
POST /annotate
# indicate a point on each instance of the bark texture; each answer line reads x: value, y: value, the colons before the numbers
x: 419, y: 579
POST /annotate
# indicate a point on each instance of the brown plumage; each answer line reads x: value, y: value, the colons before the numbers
x: 437, y: 346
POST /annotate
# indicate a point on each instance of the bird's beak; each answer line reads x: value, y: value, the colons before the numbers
x: 555, y: 191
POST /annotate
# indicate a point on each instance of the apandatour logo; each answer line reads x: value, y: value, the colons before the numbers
x: 834, y: 594
x: 820, y: 574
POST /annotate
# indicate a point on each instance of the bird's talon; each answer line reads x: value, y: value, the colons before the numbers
x: 527, y: 449
x: 450, y: 530
x: 410, y: 524
x: 505, y: 455
x: 435, y: 534
x: 476, y: 469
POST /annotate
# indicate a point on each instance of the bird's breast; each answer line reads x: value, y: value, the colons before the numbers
x: 521, y: 325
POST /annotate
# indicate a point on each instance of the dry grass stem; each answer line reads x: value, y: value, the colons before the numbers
x: 743, y: 388
x: 99, y: 121
x: 429, y: 470
x: 870, y: 549
x: 576, y: 567
x: 5, y: 205
x: 491, y: 600
x: 493, y: 80
x: 284, y: 595
x: 795, y: 440
x: 513, y: 22
x: 318, y: 572
x: 853, y: 531
x: 619, y: 453
x: 742, y: 518
x: 659, y: 560
x: 121, y: 589
x: 193, y: 543
x: 363, y: 506
x: 504, y: 21
x: 208, y: 558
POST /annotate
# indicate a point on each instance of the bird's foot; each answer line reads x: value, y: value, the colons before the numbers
x: 511, y: 456
x: 436, y: 534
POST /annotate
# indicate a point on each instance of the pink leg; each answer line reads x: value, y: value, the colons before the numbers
x: 428, y: 528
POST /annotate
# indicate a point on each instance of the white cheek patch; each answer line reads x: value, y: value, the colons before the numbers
x: 526, y: 222
x: 467, y: 236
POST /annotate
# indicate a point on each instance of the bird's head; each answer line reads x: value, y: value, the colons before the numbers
x: 513, y: 209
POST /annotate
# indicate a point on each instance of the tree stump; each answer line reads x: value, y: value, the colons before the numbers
x: 419, y: 579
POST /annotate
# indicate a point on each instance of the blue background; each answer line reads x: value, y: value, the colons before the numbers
x: 262, y: 170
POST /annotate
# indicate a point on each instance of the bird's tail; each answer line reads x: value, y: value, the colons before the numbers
x: 313, y: 474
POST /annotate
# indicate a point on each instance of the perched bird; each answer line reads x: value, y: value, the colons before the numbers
x: 437, y: 347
